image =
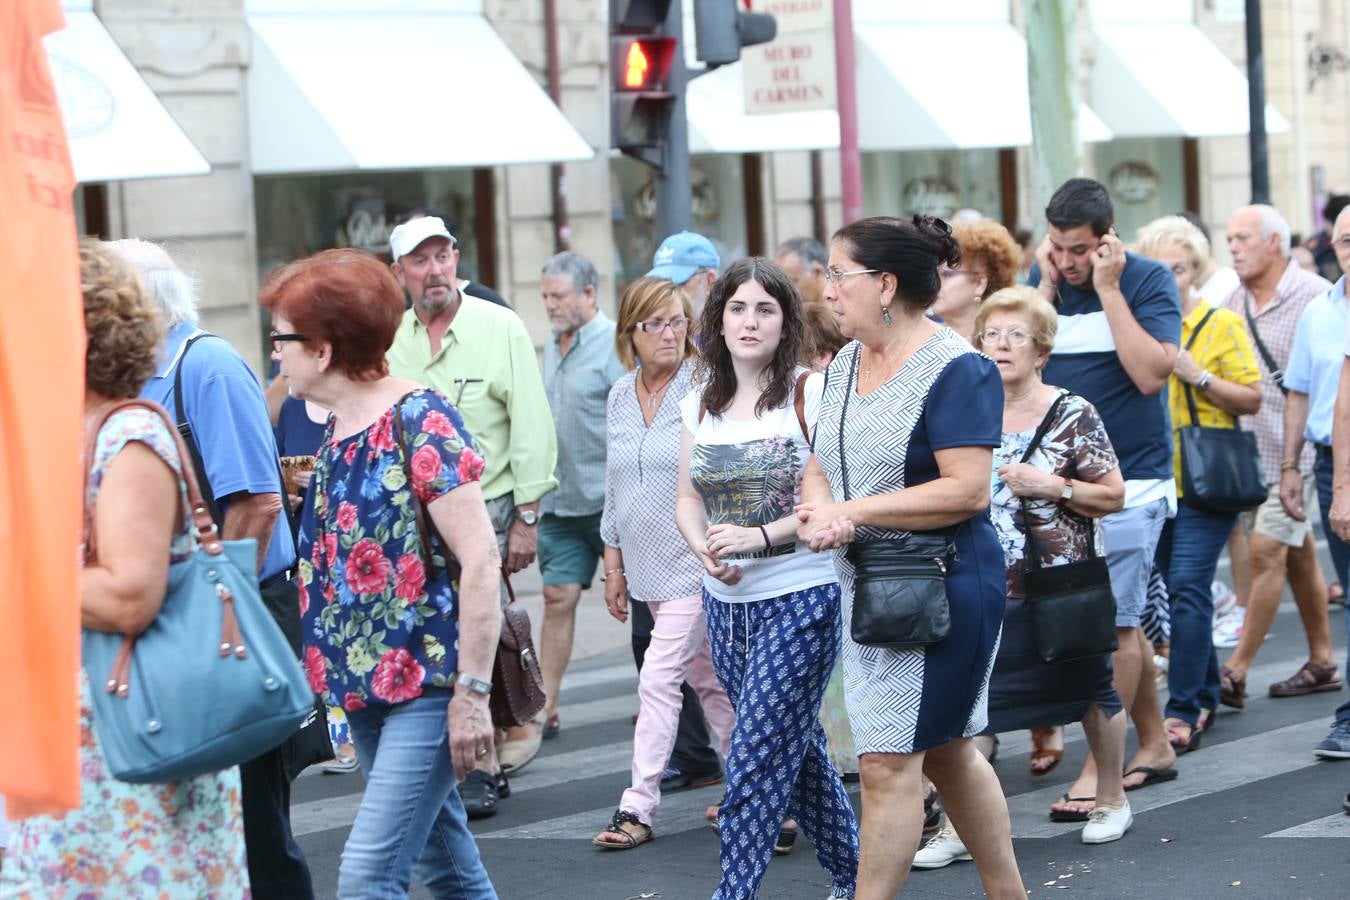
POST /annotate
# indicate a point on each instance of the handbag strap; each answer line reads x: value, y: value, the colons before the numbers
x: 1033, y: 554
x: 1276, y: 373
x: 204, y: 526
x: 426, y: 526
x: 843, y: 414
x: 1186, y: 388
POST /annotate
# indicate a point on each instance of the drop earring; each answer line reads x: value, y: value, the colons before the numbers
x: 886, y: 315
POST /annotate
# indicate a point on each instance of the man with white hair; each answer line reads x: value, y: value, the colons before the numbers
x: 1272, y: 297
x: 205, y: 384
x: 804, y: 260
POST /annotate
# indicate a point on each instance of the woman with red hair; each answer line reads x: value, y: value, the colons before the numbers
x: 397, y: 632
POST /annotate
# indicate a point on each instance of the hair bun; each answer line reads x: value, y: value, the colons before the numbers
x: 939, y: 234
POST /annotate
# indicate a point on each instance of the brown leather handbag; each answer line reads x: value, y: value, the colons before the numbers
x: 517, y: 681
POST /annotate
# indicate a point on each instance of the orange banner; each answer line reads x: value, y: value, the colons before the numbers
x: 41, y: 415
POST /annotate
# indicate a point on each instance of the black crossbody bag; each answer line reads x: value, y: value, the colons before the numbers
x: 899, y: 586
x: 1073, y: 611
x: 1221, y: 467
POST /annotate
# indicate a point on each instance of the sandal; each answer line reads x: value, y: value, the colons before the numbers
x: 628, y: 838
x: 1039, y: 737
x: 552, y: 727
x: 1335, y: 594
x: 479, y: 794
x: 711, y: 812
x: 1310, y: 679
x: 1071, y: 815
x: 932, y: 813
x: 1182, y: 735
x: 787, y: 837
x: 1232, y: 689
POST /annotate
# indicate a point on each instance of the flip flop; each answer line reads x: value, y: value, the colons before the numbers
x: 1039, y: 735
x: 787, y: 838
x: 1069, y: 815
x: 1151, y: 776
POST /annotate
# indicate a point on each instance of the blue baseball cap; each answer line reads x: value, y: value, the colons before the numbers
x: 681, y: 255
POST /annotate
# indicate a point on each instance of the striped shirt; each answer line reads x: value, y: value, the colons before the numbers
x: 1276, y: 326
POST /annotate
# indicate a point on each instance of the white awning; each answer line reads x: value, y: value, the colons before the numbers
x: 1157, y: 79
x: 937, y: 87
x: 395, y: 90
x: 718, y: 122
x: 1091, y: 128
x: 115, y: 125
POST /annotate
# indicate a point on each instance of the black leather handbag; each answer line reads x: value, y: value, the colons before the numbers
x: 1073, y: 611
x: 1220, y: 467
x: 899, y: 586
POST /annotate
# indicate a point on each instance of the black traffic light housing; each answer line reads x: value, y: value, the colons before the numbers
x: 641, y: 55
x: 721, y: 30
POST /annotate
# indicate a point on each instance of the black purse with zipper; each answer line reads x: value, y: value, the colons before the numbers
x: 899, y: 585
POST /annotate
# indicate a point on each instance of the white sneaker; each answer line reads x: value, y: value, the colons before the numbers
x: 1228, y: 627
x: 1160, y: 664
x: 1224, y: 598
x: 942, y: 849
x: 1106, y: 825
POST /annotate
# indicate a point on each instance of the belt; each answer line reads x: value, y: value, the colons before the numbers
x: 278, y: 578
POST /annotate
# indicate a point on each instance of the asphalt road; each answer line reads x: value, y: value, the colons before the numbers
x: 1254, y: 814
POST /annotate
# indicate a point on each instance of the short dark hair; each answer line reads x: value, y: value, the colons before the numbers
x: 714, y: 365
x: 1334, y: 205
x: 911, y: 251
x: 1081, y: 201
x: 807, y: 249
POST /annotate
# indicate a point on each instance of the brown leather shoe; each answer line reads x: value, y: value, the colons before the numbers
x: 1310, y: 679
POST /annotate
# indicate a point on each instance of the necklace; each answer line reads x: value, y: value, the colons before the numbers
x: 652, y: 394
x: 888, y: 364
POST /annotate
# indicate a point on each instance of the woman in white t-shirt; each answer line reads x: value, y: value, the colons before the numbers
x: 772, y: 606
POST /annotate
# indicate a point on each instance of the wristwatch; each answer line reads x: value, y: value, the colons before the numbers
x: 473, y: 685
x: 1066, y: 492
x: 527, y: 516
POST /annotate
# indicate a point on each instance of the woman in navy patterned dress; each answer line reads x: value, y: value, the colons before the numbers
x: 924, y: 414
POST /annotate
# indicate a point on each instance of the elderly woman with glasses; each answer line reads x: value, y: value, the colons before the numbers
x: 990, y: 259
x: 1071, y: 478
x: 645, y: 555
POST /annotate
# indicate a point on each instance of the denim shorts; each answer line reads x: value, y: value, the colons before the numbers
x: 1131, y: 540
x: 569, y: 548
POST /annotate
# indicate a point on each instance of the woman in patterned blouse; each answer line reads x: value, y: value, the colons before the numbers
x: 645, y: 557
x: 404, y: 643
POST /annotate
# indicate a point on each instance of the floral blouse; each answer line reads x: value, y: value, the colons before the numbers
x: 1075, y: 446
x: 376, y: 629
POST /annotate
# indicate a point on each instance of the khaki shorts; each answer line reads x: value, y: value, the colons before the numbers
x: 1271, y: 520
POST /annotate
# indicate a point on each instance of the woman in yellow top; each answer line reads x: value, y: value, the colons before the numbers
x: 1218, y: 365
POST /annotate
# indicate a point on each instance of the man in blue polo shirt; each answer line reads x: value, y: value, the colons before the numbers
x: 1119, y: 330
x: 1313, y: 378
x: 206, y: 383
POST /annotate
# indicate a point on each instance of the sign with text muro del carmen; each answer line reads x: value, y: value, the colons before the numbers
x: 795, y: 71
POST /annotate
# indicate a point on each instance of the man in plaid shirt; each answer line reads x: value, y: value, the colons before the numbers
x: 1272, y: 296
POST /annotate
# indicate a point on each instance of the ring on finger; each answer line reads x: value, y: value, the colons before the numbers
x: 482, y: 752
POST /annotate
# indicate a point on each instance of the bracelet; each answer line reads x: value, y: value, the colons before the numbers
x: 1288, y: 466
x: 767, y: 543
x: 609, y: 572
x: 1203, y: 382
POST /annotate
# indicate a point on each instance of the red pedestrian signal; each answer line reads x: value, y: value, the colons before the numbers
x: 643, y: 63
x: 635, y: 67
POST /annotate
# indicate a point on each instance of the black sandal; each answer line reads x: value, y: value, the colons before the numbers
x: 932, y: 813
x: 621, y: 818
x: 787, y: 837
x: 479, y: 794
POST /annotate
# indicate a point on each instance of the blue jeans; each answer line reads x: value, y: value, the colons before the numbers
x: 410, y: 813
x: 1339, y: 549
x: 1188, y: 554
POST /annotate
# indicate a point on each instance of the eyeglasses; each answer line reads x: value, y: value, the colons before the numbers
x: 834, y: 276
x: 1343, y: 242
x: 655, y: 326
x: 1016, y: 336
x: 278, y: 339
x: 946, y: 273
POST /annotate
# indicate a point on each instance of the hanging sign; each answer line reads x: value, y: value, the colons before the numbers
x: 795, y: 71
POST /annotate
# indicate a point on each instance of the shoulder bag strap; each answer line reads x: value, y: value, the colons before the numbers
x: 184, y: 430
x: 799, y: 404
x: 1033, y: 555
x: 1276, y: 373
x: 1186, y: 388
x: 843, y: 414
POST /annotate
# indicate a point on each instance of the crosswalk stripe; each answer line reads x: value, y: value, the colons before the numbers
x: 616, y: 674
x: 1333, y: 826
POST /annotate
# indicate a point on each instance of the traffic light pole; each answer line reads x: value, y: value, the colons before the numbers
x: 672, y: 179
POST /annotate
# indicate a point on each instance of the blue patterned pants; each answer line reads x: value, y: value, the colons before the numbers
x: 774, y: 658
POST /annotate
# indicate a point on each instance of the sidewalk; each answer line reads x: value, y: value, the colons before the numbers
x: 597, y: 631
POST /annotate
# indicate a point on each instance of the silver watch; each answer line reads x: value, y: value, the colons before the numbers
x: 473, y: 685
x: 527, y: 516
x: 1066, y: 492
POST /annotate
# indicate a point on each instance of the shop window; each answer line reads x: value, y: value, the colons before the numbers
x: 1146, y: 179
x: 934, y: 182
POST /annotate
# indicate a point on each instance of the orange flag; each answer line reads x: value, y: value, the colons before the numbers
x: 41, y: 416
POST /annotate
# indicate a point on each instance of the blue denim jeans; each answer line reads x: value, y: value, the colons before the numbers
x: 1339, y: 549
x: 410, y: 813
x: 1188, y: 554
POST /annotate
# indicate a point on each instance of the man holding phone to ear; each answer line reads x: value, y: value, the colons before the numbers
x: 1119, y: 330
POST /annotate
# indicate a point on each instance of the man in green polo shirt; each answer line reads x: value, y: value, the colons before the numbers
x: 479, y: 356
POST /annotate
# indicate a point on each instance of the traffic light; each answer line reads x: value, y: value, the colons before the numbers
x: 641, y: 55
x: 721, y: 30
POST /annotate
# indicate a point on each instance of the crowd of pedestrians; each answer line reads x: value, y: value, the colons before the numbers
x: 831, y: 492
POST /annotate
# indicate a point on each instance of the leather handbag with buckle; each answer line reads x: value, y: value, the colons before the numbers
x: 517, y: 681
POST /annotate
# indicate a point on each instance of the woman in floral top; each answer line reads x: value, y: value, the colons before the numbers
x: 132, y: 841
x: 404, y: 643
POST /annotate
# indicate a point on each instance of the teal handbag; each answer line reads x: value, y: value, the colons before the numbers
x: 212, y: 682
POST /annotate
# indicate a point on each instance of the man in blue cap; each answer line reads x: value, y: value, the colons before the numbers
x: 691, y: 261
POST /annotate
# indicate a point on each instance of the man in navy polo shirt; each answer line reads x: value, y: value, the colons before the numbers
x: 1119, y: 330
x: 221, y: 399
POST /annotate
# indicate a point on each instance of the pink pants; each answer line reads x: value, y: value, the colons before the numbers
x: 678, y: 652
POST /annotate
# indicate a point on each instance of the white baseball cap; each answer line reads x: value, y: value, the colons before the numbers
x: 408, y: 237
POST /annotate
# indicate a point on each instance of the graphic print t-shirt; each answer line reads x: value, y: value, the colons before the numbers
x: 749, y: 473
